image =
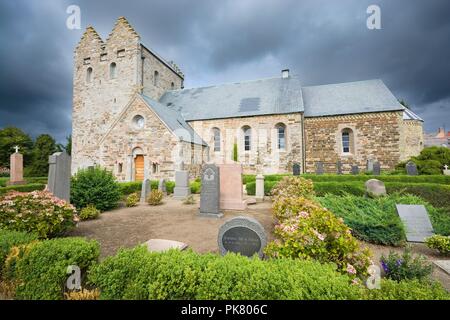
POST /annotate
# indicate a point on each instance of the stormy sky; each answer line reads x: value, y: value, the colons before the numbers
x: 213, y: 42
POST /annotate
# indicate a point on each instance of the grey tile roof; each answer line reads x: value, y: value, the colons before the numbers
x: 174, y: 121
x: 349, y: 98
x: 259, y: 97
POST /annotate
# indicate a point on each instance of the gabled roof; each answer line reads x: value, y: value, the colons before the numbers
x: 251, y: 98
x: 349, y: 98
x: 409, y: 115
x: 174, y: 121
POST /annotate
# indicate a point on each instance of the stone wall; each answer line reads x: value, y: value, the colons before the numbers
x: 376, y: 136
x: 264, y: 155
x: 412, y: 139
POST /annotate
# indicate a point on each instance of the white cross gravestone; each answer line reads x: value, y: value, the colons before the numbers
x: 417, y: 222
x: 446, y: 171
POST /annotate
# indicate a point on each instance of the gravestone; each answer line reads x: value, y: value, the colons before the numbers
x: 243, y: 235
x: 145, y: 191
x: 375, y: 188
x: 443, y: 264
x: 210, y: 192
x: 16, y: 168
x: 162, y: 186
x: 259, y: 187
x: 182, y: 189
x: 296, y: 169
x: 319, y: 167
x: 376, y: 169
x: 411, y: 169
x: 161, y: 245
x: 231, y: 187
x: 417, y: 222
x: 59, y: 174
x: 446, y: 171
x: 339, y: 167
x: 355, y: 169
x: 369, y: 165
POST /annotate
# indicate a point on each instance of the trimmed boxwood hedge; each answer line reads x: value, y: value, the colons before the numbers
x: 127, y: 188
x: 23, y: 188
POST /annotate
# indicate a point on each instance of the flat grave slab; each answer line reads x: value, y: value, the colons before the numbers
x: 417, y: 222
x: 443, y: 264
x: 161, y: 245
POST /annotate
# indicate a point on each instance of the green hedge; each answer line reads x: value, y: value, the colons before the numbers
x: 29, y: 180
x: 23, y: 188
x: 42, y: 272
x: 127, y: 188
x: 139, y: 275
x: 9, y: 239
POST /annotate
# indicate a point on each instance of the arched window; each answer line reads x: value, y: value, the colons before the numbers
x: 347, y: 141
x: 247, y: 138
x: 281, y: 136
x: 172, y: 86
x: 89, y: 75
x: 155, y: 78
x: 216, y: 136
x: 112, y: 70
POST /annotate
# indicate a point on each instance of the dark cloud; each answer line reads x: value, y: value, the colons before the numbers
x: 222, y: 41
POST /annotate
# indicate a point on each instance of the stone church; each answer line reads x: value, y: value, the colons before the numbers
x: 132, y: 115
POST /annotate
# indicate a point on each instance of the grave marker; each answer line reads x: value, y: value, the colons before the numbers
x: 376, y: 169
x: 417, y: 222
x: 182, y: 189
x: 296, y: 169
x: 145, y: 191
x: 319, y: 168
x: 355, y: 170
x: 411, y: 169
x: 59, y: 174
x: 339, y: 167
x: 16, y: 168
x: 210, y: 193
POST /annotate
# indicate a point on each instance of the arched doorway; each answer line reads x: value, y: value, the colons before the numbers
x: 138, y: 157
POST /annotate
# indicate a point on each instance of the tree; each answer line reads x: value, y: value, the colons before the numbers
x: 44, y: 147
x: 11, y: 137
x: 68, y: 147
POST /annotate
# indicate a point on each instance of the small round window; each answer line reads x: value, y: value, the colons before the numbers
x: 138, y: 121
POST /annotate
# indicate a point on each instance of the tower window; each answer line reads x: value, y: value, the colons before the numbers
x: 120, y: 168
x: 87, y: 61
x: 112, y: 70
x: 121, y: 53
x: 347, y: 141
x: 155, y: 78
x: 89, y: 75
x: 172, y: 86
x: 103, y: 57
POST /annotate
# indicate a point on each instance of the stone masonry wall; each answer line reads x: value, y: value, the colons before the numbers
x: 376, y: 136
x: 264, y: 155
x: 412, y: 140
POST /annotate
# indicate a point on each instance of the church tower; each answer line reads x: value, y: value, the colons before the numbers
x: 107, y: 74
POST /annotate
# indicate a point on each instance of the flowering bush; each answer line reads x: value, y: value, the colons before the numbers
x: 89, y: 213
x: 38, y: 211
x: 155, y: 197
x: 406, y: 267
x: 308, y: 231
x: 292, y: 186
x: 440, y: 243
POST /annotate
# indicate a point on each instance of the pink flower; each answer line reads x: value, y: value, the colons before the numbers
x: 304, y: 214
x: 351, y: 269
x: 319, y: 235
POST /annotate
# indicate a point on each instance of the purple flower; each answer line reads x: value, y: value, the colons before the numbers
x: 385, y: 267
x: 399, y: 262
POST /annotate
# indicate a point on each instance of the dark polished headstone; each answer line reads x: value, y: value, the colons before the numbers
x: 296, y: 169
x: 244, y: 235
x: 59, y: 175
x: 210, y: 192
x: 417, y: 222
x: 319, y: 167
x: 355, y: 170
x: 376, y: 169
x: 411, y: 169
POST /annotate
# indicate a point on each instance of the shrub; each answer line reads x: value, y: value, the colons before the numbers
x: 189, y: 200
x: 339, y: 188
x: 408, y: 290
x: 440, y: 243
x: 23, y: 188
x: 42, y: 271
x: 291, y: 186
x: 431, y: 160
x: 405, y: 266
x: 308, y: 231
x: 10, y: 239
x: 89, y: 213
x: 132, y: 200
x: 127, y: 188
x: 95, y: 186
x: 170, y: 185
x: 155, y: 197
x: 436, y: 194
x: 83, y: 294
x: 38, y: 212
x: 196, y: 187
x: 138, y: 274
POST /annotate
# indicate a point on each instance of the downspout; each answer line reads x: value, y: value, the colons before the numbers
x: 302, y: 117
